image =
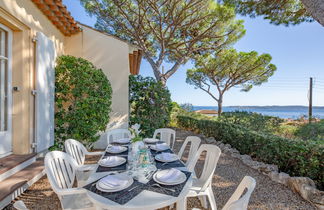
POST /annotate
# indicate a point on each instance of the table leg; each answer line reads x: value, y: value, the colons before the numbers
x: 182, y: 204
x: 99, y: 208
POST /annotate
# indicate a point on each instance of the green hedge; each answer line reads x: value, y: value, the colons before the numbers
x: 312, y: 131
x: 297, y: 158
x: 253, y: 121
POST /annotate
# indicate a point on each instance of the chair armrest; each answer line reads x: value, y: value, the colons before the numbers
x: 95, y: 153
x: 72, y: 191
x: 88, y: 167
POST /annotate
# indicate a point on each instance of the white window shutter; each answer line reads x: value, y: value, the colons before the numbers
x: 45, y: 88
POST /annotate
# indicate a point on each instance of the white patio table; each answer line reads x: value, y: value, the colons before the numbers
x: 145, y: 200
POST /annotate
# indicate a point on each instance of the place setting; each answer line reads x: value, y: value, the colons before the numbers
x: 151, y: 140
x: 116, y: 149
x: 123, y: 141
x: 166, y: 160
x: 160, y: 147
x: 169, y: 181
x: 112, y: 163
x: 115, y: 186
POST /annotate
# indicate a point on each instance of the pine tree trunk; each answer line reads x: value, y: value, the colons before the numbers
x: 220, y: 105
x: 163, y: 81
x: 316, y: 9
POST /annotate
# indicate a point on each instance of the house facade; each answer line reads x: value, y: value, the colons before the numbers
x: 32, y: 34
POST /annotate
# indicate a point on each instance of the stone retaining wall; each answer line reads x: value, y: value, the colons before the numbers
x: 302, y: 185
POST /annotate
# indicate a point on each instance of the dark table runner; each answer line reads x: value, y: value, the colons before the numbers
x: 123, y: 196
x: 162, y: 165
x: 177, y: 188
x: 120, y: 197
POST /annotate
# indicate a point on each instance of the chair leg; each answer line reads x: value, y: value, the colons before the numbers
x: 211, y: 198
x: 203, y: 201
x: 182, y: 204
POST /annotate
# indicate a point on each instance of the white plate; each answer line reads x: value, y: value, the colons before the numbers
x: 120, y: 149
x: 151, y: 140
x: 164, y: 147
x: 122, y: 141
x: 173, y: 157
x: 120, y: 161
x: 129, y: 183
x: 180, y: 179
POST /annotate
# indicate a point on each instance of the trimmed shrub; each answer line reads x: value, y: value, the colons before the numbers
x: 253, y: 121
x: 312, y: 131
x: 150, y: 104
x: 82, y: 99
x: 298, y: 158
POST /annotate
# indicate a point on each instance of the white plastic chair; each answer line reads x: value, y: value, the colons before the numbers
x: 167, y: 135
x: 78, y: 151
x: 202, y: 186
x: 116, y: 134
x: 195, y: 142
x: 20, y: 205
x: 236, y: 202
x: 60, y: 168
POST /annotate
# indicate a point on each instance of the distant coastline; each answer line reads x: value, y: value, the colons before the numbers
x: 292, y: 112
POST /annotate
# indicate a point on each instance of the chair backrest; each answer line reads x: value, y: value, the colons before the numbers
x: 119, y: 133
x: 236, y: 202
x: 212, y: 155
x: 195, y: 142
x: 60, y: 169
x: 166, y: 134
x: 76, y: 150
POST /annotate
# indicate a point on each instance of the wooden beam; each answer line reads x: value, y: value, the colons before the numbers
x: 135, y: 53
x: 139, y: 60
x: 130, y: 58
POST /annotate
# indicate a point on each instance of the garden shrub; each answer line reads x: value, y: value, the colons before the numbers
x: 312, y: 131
x: 253, y: 121
x: 179, y: 110
x: 150, y: 104
x: 82, y: 100
x: 298, y: 158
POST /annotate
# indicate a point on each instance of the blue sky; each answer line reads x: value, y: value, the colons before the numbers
x: 297, y: 51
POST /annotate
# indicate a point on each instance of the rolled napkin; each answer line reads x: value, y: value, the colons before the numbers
x: 167, y: 156
x: 122, y: 141
x: 169, y: 175
x: 162, y: 146
x: 111, y: 160
x: 116, y: 149
x: 151, y: 140
x: 112, y: 181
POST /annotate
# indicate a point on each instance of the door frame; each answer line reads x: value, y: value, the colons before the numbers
x: 8, y: 132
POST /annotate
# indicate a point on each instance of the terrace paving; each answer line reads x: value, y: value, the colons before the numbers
x: 229, y: 172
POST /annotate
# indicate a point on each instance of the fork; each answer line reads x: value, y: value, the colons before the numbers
x: 133, y: 188
x: 158, y: 185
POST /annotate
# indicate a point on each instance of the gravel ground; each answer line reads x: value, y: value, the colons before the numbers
x: 229, y: 172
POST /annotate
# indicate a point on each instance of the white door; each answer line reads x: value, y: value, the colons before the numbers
x: 5, y: 91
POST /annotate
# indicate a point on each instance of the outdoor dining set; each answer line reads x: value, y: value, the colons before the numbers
x: 139, y: 173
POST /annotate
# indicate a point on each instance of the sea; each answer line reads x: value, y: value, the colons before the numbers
x: 291, y: 112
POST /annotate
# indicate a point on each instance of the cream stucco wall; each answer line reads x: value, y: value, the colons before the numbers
x: 111, y: 55
x: 25, y: 19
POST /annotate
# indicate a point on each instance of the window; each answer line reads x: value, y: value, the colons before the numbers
x: 3, y: 80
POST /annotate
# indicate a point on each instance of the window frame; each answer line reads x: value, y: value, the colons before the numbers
x: 6, y: 114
